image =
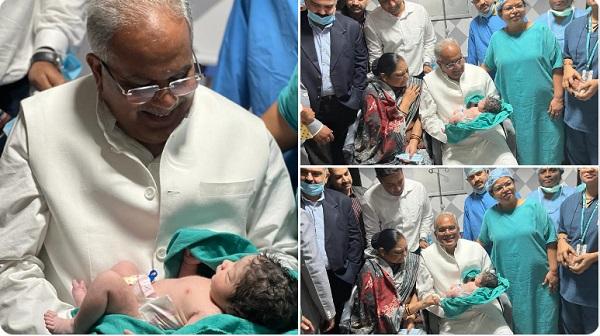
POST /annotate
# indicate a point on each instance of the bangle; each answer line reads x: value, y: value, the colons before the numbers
x: 407, y: 310
x: 403, y: 113
x: 415, y: 137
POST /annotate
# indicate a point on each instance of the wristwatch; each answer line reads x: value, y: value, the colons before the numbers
x: 47, y: 55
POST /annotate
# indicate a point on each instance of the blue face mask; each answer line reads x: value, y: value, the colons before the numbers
x: 312, y: 189
x: 321, y: 20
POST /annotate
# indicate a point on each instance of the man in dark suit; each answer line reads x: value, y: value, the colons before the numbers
x: 338, y: 238
x: 333, y: 69
x: 340, y: 179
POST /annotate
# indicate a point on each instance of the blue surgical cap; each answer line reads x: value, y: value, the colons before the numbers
x: 471, y: 171
x: 495, y: 175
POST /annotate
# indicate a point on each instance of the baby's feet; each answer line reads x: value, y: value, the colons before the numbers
x: 57, y: 325
x: 78, y: 291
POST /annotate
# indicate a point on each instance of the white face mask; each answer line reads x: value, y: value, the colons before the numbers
x: 551, y: 190
x: 488, y: 14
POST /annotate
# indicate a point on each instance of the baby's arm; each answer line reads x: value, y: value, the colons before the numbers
x: 472, y: 113
x: 454, y: 291
x: 469, y: 287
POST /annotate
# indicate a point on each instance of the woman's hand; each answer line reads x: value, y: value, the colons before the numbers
x: 587, y: 90
x: 551, y: 280
x: 582, y: 262
x: 410, y: 95
x: 328, y: 325
x: 570, y: 77
x: 430, y: 300
x: 411, y: 148
x: 555, y: 108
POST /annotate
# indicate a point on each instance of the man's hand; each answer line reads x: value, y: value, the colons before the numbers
x: 582, y: 262
x: 551, y: 280
x: 324, y: 136
x: 306, y: 326
x: 44, y: 75
x: 307, y: 115
x: 564, y: 252
x: 587, y: 90
x: 555, y: 108
x: 328, y: 325
x: 570, y: 77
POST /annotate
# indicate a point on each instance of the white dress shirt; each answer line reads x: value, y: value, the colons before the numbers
x: 441, y: 96
x: 410, y: 213
x: 411, y: 35
x: 28, y: 25
x: 79, y: 195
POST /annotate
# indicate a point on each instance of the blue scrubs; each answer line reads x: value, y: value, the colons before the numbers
x: 552, y: 206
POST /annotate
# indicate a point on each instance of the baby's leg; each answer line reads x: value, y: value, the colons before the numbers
x: 107, y: 294
x: 124, y: 268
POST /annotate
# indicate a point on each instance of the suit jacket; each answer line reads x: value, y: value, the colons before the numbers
x: 343, y: 241
x: 349, y: 58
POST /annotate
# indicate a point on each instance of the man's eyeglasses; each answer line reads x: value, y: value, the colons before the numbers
x: 144, y: 94
x: 455, y: 64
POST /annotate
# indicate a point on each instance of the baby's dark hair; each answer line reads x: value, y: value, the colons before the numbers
x: 267, y: 294
x: 492, y: 105
x: 489, y: 279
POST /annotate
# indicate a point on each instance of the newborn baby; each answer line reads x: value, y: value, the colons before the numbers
x: 488, y: 104
x: 484, y: 279
x: 236, y: 287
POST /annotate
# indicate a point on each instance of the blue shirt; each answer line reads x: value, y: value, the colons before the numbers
x: 315, y: 211
x: 552, y: 206
x: 480, y: 33
x: 475, y: 207
x: 579, y: 289
x: 558, y: 29
x: 581, y: 115
x: 322, y: 39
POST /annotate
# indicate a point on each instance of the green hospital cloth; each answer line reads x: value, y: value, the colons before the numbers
x: 486, y: 120
x: 212, y: 248
x: 453, y: 307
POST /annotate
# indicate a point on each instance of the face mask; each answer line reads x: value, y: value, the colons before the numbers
x: 564, y: 13
x: 312, y: 189
x: 551, y: 190
x: 321, y: 20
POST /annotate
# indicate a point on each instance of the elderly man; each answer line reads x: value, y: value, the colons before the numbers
x: 551, y: 192
x: 476, y: 203
x: 404, y: 28
x: 337, y: 234
x: 109, y: 166
x: 441, y: 267
x: 481, y: 29
x: 561, y: 13
x: 578, y: 257
x: 444, y: 91
x: 400, y: 203
x: 333, y: 65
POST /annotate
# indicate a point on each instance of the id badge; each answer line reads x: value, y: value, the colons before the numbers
x: 586, y: 75
x: 581, y: 249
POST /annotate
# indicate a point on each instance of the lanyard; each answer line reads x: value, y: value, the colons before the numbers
x: 590, y: 56
x: 587, y: 225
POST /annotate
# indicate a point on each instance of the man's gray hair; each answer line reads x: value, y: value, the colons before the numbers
x: 439, y: 47
x: 105, y: 17
x: 445, y: 214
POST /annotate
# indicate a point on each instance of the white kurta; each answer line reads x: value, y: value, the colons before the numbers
x: 78, y: 195
x: 438, y: 271
x: 410, y: 213
x: 440, y: 97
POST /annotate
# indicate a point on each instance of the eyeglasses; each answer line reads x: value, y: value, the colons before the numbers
x: 500, y: 187
x: 511, y: 8
x: 144, y: 94
x: 455, y: 64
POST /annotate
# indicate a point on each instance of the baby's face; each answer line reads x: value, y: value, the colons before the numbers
x: 481, y: 105
x: 226, y: 279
